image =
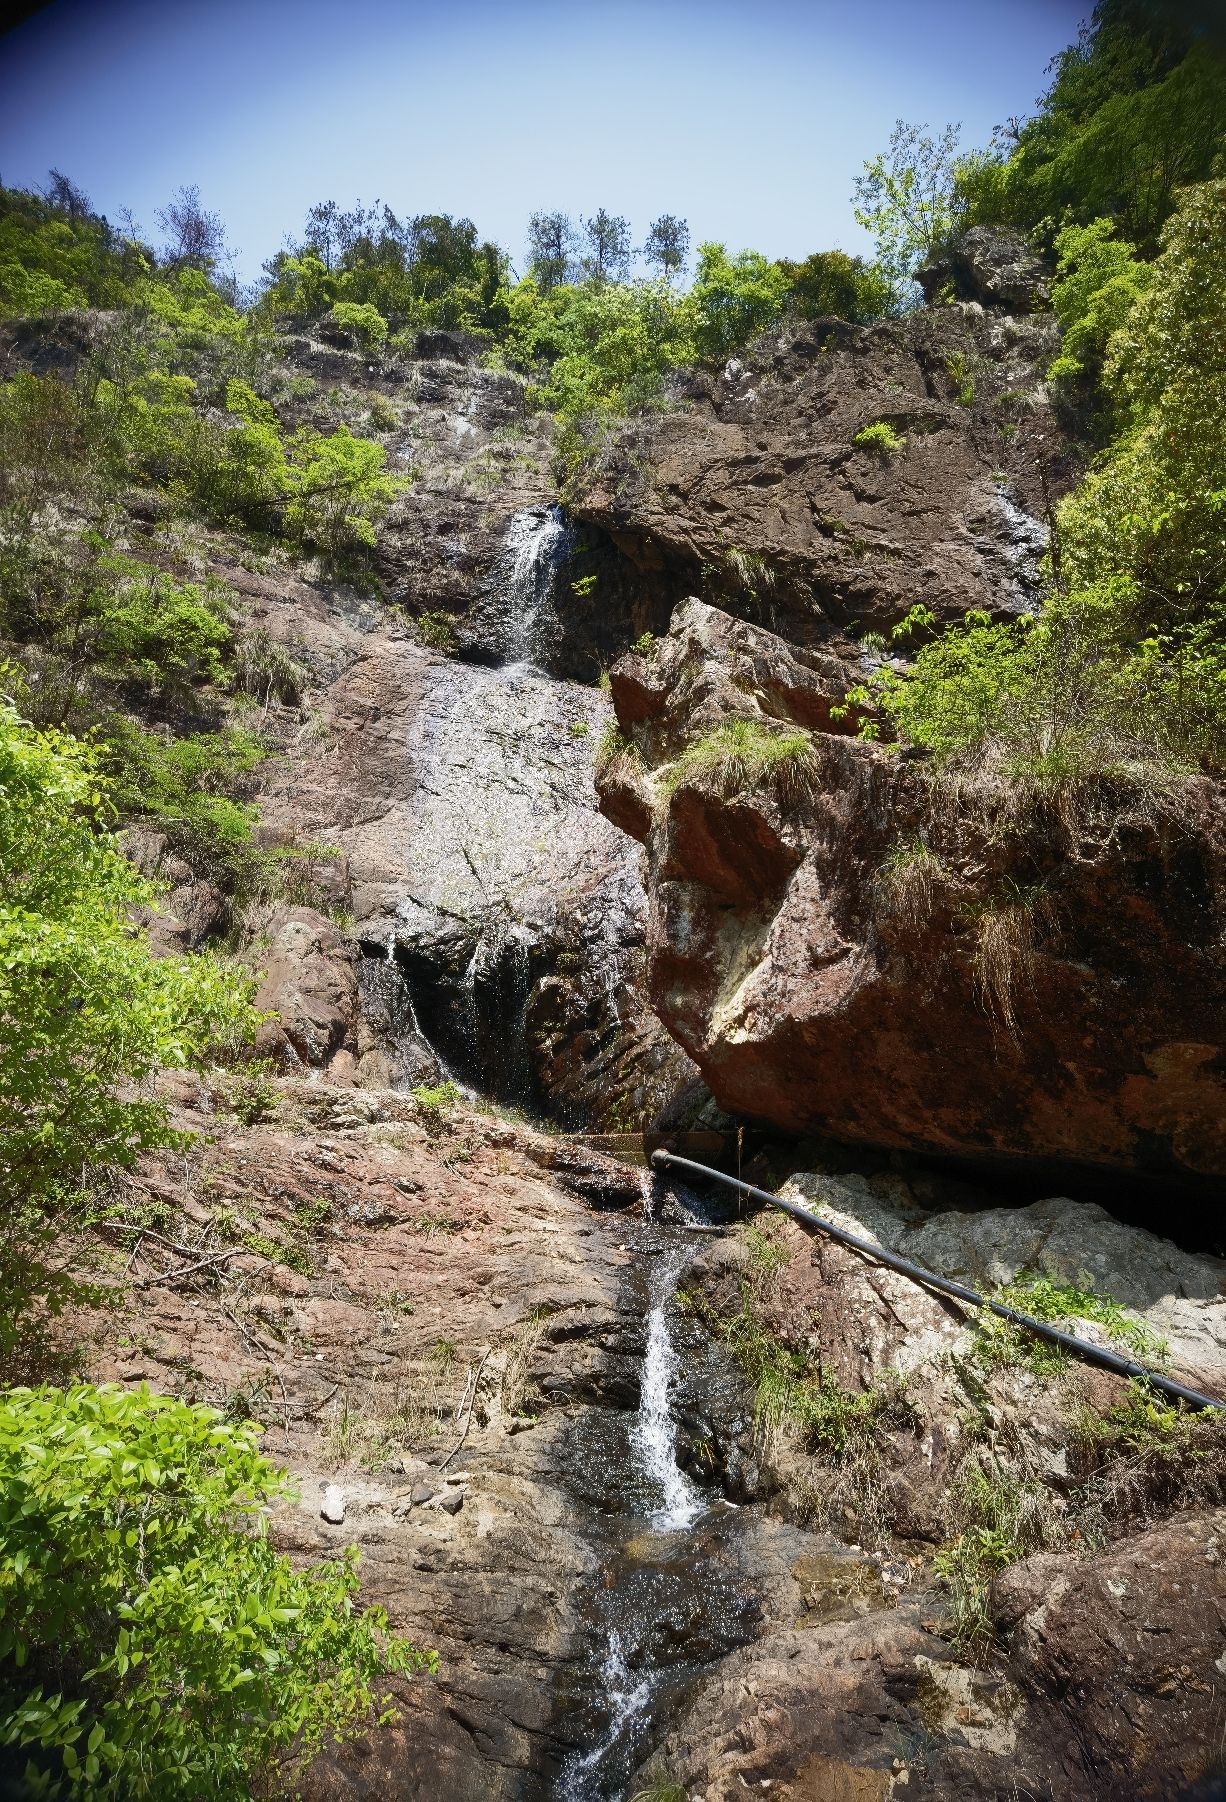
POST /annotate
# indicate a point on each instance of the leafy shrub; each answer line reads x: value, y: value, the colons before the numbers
x: 87, y: 1013
x: 1098, y: 279
x: 437, y: 631
x: 880, y: 438
x: 436, y: 1104
x: 339, y: 490
x: 608, y: 345
x: 154, y: 1645
x: 361, y: 322
x: 190, y: 787
x: 734, y: 298
x: 832, y: 284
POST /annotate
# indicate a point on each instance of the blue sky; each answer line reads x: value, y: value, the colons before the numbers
x: 750, y: 118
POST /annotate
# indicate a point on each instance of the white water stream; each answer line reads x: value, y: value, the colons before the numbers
x: 675, y: 1504
x: 654, y: 1438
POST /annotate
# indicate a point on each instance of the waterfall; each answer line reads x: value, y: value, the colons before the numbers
x: 631, y: 1676
x: 654, y: 1438
x: 537, y: 542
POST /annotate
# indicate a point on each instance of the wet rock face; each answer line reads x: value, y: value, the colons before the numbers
x: 496, y: 918
x: 755, y: 496
x: 860, y: 951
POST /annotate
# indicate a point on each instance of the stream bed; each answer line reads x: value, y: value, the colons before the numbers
x: 671, y: 1596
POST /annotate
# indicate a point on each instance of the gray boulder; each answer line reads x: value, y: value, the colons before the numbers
x: 997, y: 268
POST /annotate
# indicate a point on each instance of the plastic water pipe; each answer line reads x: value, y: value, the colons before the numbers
x: 1080, y: 1348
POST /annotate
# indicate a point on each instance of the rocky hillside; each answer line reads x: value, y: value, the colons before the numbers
x: 690, y: 1503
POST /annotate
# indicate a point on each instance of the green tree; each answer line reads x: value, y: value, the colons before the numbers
x: 153, y: 1645
x: 1136, y: 110
x: 832, y: 284
x: 195, y: 238
x: 733, y: 299
x: 610, y: 344
x: 906, y: 198
x: 339, y: 490
x: 667, y: 246
x: 1155, y: 511
x: 608, y: 247
x: 553, y: 244
x: 1098, y: 278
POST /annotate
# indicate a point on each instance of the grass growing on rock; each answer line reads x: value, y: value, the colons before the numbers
x: 1000, y: 1517
x: 799, y: 1402
x: 998, y: 1345
x: 908, y: 884
x: 742, y: 754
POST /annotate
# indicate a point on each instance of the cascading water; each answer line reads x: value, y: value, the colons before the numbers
x: 654, y: 1439
x: 538, y: 541
x: 670, y: 1598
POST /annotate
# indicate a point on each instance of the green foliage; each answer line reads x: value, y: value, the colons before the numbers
x: 608, y: 345
x: 1098, y: 279
x: 190, y: 787
x: 831, y: 284
x: 153, y: 1643
x: 1127, y: 664
x: 57, y: 254
x: 734, y: 298
x: 742, y: 753
x: 339, y: 490
x: 436, y: 1103
x: 1001, y: 1519
x: 437, y: 631
x: 88, y: 1014
x: 1143, y: 1421
x: 881, y: 439
x: 998, y: 1344
x: 361, y: 322
x: 1153, y: 511
x: 906, y: 199
x: 1137, y: 111
x: 427, y: 271
x: 959, y: 375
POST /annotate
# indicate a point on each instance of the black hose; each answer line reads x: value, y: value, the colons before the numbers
x: 1081, y: 1348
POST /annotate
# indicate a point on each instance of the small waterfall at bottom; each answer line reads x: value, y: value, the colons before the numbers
x: 655, y: 1431
x: 670, y: 1599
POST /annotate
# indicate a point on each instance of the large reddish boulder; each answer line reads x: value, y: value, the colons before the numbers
x: 845, y: 941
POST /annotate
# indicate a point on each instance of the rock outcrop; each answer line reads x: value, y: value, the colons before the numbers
x: 1094, y: 1676
x: 844, y: 943
x: 996, y: 268
x: 754, y: 494
x: 442, y: 1317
